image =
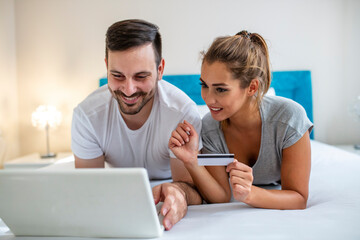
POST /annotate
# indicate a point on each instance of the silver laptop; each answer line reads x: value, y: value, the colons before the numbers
x: 79, y: 202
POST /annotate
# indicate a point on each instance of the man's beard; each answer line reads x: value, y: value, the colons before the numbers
x: 128, y: 108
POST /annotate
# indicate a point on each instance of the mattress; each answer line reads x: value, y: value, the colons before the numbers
x: 333, y: 210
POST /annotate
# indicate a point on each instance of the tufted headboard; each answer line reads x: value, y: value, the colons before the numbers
x: 295, y: 85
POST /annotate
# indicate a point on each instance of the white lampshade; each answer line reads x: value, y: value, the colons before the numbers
x: 46, y: 115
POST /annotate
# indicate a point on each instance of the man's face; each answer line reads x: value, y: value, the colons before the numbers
x: 132, y: 77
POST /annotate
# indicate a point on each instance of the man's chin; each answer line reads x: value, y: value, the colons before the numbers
x: 128, y: 110
x: 132, y: 109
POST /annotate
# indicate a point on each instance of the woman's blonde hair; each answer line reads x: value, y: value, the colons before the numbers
x: 246, y: 56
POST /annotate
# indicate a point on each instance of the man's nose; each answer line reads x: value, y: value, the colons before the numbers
x: 129, y: 87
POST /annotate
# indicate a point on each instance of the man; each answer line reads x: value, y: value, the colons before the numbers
x: 128, y: 122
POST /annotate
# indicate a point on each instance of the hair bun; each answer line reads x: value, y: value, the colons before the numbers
x: 243, y: 33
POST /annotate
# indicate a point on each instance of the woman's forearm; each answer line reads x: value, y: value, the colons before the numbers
x: 210, y: 189
x: 276, y: 199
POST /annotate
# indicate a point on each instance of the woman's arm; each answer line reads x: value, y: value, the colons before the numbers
x: 295, y: 174
x: 212, y: 183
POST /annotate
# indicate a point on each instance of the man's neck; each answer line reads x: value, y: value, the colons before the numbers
x: 136, y: 121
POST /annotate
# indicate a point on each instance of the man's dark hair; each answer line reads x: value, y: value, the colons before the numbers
x: 130, y: 33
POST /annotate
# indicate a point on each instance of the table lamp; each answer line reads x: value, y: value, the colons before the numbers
x: 46, y: 117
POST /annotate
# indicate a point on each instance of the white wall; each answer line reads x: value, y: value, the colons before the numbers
x: 350, y: 78
x: 60, y: 51
x: 8, y: 81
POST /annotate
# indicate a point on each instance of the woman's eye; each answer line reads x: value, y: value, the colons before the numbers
x: 203, y: 85
x: 220, y: 90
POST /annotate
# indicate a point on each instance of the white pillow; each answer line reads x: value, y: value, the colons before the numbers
x: 271, y: 92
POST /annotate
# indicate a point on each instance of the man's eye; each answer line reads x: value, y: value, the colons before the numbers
x: 220, y: 90
x: 117, y: 76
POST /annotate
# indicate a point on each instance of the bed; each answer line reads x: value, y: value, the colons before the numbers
x: 333, y: 210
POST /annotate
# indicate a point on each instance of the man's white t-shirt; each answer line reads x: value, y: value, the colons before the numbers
x: 99, y: 129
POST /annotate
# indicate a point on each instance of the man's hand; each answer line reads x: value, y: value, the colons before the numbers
x: 175, y: 203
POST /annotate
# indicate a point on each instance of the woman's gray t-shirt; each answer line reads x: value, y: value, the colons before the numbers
x: 284, y: 122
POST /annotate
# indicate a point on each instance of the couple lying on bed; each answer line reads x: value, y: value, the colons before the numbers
x: 139, y: 120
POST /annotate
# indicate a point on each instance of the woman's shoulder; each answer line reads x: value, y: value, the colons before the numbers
x: 285, y: 115
x: 277, y: 108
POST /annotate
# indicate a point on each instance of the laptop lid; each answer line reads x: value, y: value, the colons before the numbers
x: 79, y: 202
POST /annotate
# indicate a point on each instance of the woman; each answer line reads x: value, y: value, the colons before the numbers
x: 268, y: 135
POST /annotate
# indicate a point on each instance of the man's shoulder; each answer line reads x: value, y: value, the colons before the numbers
x: 172, y: 98
x: 96, y: 102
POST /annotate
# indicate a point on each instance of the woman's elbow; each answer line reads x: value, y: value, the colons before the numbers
x: 301, y: 203
x: 220, y: 198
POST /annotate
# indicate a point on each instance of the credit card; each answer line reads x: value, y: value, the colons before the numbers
x: 215, y: 159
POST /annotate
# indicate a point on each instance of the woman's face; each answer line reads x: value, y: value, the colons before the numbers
x: 221, y: 92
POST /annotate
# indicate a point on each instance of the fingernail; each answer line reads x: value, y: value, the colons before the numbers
x: 187, y: 140
x: 167, y: 224
x: 188, y: 129
x: 164, y: 211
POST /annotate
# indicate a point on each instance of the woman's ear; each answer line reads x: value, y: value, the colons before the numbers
x: 253, y: 87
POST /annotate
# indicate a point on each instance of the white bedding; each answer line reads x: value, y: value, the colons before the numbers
x: 333, y: 210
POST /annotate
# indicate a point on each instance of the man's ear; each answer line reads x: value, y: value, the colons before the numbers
x: 106, y: 63
x: 253, y: 87
x: 161, y: 69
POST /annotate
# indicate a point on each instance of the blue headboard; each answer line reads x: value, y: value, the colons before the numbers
x: 295, y: 85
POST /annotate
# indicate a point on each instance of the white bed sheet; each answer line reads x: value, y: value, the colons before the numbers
x: 333, y: 210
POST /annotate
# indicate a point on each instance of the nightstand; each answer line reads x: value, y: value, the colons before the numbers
x: 33, y: 161
x: 349, y: 148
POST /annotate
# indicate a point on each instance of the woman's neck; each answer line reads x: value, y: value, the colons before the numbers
x: 247, y: 118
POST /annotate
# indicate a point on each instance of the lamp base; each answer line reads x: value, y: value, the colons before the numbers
x: 48, y: 155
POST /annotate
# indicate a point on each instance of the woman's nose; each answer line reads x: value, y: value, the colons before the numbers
x: 208, y: 97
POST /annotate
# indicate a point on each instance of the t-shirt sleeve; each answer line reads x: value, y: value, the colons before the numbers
x: 84, y: 143
x: 298, y: 124
x: 191, y: 114
x: 193, y: 117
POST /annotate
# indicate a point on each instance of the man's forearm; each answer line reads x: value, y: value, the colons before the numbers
x: 192, y: 196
